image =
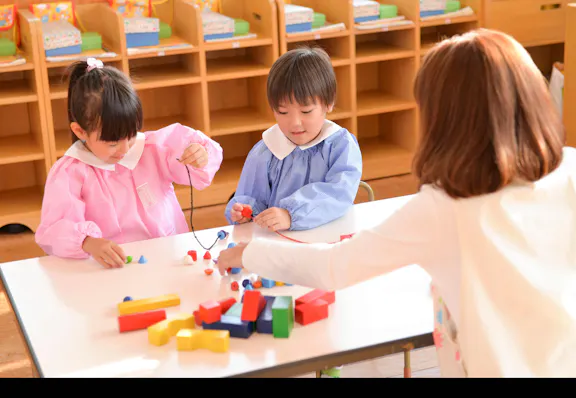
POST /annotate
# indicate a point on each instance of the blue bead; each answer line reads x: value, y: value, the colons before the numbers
x: 142, y: 260
x: 236, y: 271
x: 222, y: 235
x: 127, y: 298
x: 246, y: 282
x: 231, y: 245
x: 248, y: 287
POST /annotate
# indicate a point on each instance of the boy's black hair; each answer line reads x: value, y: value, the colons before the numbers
x: 103, y: 100
x: 303, y: 75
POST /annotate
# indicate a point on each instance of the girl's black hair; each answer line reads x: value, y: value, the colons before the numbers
x: 103, y: 100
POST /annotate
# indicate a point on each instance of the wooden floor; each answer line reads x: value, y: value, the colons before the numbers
x: 14, y: 363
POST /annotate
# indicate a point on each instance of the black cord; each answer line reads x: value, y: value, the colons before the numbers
x: 192, y: 212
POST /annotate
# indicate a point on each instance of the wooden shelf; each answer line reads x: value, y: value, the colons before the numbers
x: 426, y: 46
x: 21, y: 206
x: 58, y: 88
x: 381, y: 158
x: 63, y: 142
x: 163, y: 48
x: 238, y: 120
x: 162, y: 76
x: 393, y: 28
x: 161, y: 122
x: 234, y: 68
x: 308, y: 36
x: 29, y: 65
x: 375, y: 102
x: 16, y: 149
x: 374, y: 51
x: 84, y: 54
x: 239, y: 43
x: 16, y: 92
x: 448, y: 21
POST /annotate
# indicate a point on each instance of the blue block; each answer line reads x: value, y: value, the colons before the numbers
x: 264, y: 321
x: 431, y: 13
x: 235, y: 271
x: 142, y: 39
x: 368, y: 18
x: 64, y: 51
x: 219, y: 36
x: 268, y: 283
x: 236, y: 326
x: 299, y: 27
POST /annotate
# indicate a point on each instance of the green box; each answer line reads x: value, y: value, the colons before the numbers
x: 7, y: 47
x: 388, y: 11
x: 319, y: 20
x: 452, y: 6
x: 241, y: 27
x: 165, y: 31
x: 282, y: 316
x: 91, y: 41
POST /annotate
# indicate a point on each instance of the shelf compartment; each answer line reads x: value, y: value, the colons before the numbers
x: 337, y: 48
x: 238, y: 106
x: 173, y: 70
x: 431, y: 35
x: 16, y: 68
x: 18, y: 87
x: 343, y: 104
x: 58, y: 84
x: 21, y: 140
x: 388, y: 143
x: 385, y: 46
x: 239, y: 63
x: 385, y: 86
x: 449, y: 21
x: 408, y: 9
x: 62, y: 132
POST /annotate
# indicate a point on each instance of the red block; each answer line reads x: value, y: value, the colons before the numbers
x: 311, y: 312
x: 140, y: 320
x: 207, y: 256
x: 225, y: 304
x: 253, y: 305
x: 210, y: 311
x: 316, y: 294
x: 192, y: 253
x: 197, y: 318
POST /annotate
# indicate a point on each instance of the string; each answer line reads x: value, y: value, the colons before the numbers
x: 299, y: 241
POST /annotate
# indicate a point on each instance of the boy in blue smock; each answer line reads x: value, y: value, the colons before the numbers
x: 306, y: 170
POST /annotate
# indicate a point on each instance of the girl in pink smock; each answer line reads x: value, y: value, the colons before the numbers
x: 114, y: 184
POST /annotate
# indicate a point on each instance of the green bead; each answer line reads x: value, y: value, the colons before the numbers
x: 128, y: 259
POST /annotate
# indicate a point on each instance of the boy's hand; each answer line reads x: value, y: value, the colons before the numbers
x: 274, y: 219
x: 236, y: 213
x: 195, y: 155
x: 106, y: 252
x: 231, y: 258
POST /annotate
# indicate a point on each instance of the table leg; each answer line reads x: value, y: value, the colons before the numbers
x: 407, y: 370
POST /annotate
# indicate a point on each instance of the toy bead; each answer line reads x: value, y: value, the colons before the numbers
x: 247, y: 212
x: 127, y: 298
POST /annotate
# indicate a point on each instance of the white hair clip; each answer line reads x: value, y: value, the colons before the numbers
x: 93, y: 63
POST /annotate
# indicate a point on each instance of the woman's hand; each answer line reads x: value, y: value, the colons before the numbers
x: 231, y: 258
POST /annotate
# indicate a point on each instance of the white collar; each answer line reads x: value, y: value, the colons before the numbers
x: 280, y: 146
x: 80, y: 152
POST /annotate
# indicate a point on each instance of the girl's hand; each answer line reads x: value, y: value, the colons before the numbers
x: 231, y: 258
x: 236, y: 213
x: 106, y: 252
x: 274, y: 219
x: 195, y: 155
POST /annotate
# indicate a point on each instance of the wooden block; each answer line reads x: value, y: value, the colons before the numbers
x: 197, y: 318
x: 314, y: 311
x: 329, y: 297
x: 193, y: 339
x: 141, y: 320
x: 226, y: 304
x: 160, y: 333
x: 282, y: 316
x: 264, y: 322
x: 235, y: 310
x: 236, y: 326
x: 148, y: 304
x: 253, y: 304
x: 210, y: 311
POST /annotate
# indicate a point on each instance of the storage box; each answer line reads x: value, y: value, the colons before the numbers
x: 61, y: 38
x: 91, y: 41
x: 366, y: 10
x: 216, y: 25
x: 298, y: 18
x: 142, y: 32
x: 432, y: 5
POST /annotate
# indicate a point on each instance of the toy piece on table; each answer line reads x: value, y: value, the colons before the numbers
x: 141, y: 320
x: 127, y: 298
x: 264, y: 322
x: 366, y: 10
x: 231, y: 245
x: 213, y: 340
x: 298, y: 18
x: 249, y: 287
x: 188, y: 259
x: 279, y: 283
x: 246, y: 282
x: 268, y: 283
x: 311, y: 312
x: 160, y: 333
x: 210, y: 311
x: 61, y: 38
x: 216, y: 25
x: 142, y: 32
x: 235, y: 271
x: 197, y: 318
x: 246, y: 212
x: 142, y: 260
x: 7, y: 47
x: 282, y: 316
x: 91, y: 41
x: 257, y: 285
x: 235, y: 310
x: 234, y: 286
x: 226, y: 304
x: 148, y: 304
x: 208, y: 271
x: 165, y: 31
x: 329, y: 297
x: 253, y: 303
x: 207, y: 256
x: 223, y: 235
x: 236, y: 326
x: 128, y: 259
x: 193, y: 254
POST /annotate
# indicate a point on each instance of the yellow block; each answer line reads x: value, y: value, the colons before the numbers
x: 148, y: 304
x: 279, y: 283
x: 160, y: 333
x: 213, y: 340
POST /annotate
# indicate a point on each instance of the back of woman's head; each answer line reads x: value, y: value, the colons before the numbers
x: 102, y: 99
x: 487, y: 117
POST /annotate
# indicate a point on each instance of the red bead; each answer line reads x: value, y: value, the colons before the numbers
x: 207, y: 256
x: 234, y: 286
x: 247, y: 212
x: 192, y: 253
x: 208, y: 271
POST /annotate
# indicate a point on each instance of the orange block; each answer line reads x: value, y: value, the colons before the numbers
x: 141, y: 320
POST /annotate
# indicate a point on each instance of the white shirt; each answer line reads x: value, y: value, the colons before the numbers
x: 504, y: 263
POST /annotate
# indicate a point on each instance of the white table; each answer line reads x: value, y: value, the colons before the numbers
x: 67, y: 311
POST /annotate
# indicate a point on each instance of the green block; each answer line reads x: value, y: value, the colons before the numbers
x: 235, y: 310
x: 282, y: 316
x: 91, y: 41
x: 241, y: 27
x: 7, y: 47
x: 165, y: 31
x: 452, y: 6
x: 319, y: 20
x: 388, y: 11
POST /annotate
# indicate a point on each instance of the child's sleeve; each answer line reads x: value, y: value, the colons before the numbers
x: 171, y: 141
x: 318, y: 203
x: 254, y: 186
x: 411, y: 235
x: 63, y: 226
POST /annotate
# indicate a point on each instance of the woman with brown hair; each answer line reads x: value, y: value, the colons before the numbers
x: 493, y: 223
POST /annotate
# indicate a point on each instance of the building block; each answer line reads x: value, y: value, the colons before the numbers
x: 213, y: 340
x: 282, y: 316
x: 197, y: 318
x: 193, y: 254
x: 210, y: 311
x: 268, y: 283
x: 160, y: 333
x: 236, y: 326
x: 148, y: 304
x: 311, y: 312
x: 207, y: 256
x: 279, y: 283
x: 316, y: 294
x: 253, y: 304
x: 235, y: 310
x: 226, y: 304
x: 141, y: 320
x: 264, y: 322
